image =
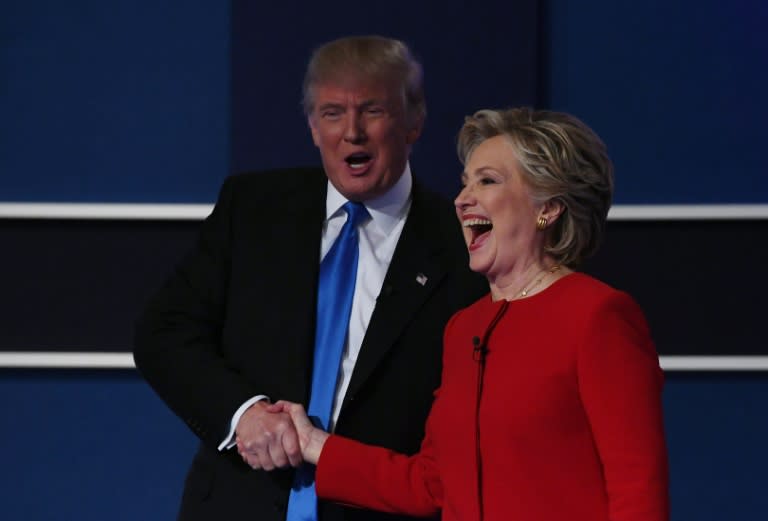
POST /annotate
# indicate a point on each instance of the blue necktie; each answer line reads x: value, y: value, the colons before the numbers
x: 336, y: 287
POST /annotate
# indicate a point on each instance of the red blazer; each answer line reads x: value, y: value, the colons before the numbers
x: 562, y: 421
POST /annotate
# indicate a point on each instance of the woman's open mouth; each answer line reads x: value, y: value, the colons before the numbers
x: 479, y: 228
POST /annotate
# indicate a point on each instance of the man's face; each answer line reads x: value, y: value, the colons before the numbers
x: 363, y: 134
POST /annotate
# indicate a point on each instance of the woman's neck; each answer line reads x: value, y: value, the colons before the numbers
x: 527, y: 280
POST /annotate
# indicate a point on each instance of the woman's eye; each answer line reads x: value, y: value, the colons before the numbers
x: 486, y: 181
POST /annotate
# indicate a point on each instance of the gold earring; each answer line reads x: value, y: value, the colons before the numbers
x: 541, y: 223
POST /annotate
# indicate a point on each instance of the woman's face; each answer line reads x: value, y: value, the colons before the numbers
x: 496, y: 211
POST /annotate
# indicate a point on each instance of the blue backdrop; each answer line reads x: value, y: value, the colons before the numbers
x: 139, y: 101
x: 143, y: 101
x: 101, y: 445
x: 676, y: 88
x: 119, y: 101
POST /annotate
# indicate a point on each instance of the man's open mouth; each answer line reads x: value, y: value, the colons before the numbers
x: 358, y: 160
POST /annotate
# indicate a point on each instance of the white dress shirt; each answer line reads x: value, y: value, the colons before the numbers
x: 378, y: 238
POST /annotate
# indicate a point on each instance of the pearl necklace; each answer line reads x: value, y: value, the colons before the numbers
x: 544, y: 273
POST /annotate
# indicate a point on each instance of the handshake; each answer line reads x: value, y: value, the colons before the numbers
x: 272, y: 436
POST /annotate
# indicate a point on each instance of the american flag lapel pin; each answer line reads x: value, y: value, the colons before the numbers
x: 421, y: 279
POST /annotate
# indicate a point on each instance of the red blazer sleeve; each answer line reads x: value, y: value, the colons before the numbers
x: 376, y: 478
x: 620, y: 383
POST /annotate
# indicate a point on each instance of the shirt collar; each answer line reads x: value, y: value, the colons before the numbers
x: 386, y: 210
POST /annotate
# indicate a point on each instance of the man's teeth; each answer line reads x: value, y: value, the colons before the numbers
x: 476, y: 222
x: 358, y: 161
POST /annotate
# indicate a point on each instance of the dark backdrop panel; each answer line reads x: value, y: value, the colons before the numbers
x: 118, y: 101
x: 473, y: 58
x: 78, y: 285
x: 698, y: 301
x: 676, y: 89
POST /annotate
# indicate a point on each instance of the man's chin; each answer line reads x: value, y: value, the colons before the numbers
x: 362, y: 187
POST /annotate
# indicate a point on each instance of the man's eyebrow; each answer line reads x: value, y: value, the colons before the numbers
x: 372, y: 101
x: 330, y: 105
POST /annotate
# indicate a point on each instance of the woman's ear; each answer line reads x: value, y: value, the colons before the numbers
x: 551, y: 210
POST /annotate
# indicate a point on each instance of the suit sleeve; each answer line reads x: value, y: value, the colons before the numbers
x: 177, y: 338
x: 376, y: 478
x: 620, y: 383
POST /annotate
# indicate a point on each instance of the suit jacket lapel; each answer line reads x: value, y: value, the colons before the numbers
x: 416, y: 269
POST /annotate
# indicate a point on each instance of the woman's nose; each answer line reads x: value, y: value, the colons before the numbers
x: 464, y: 198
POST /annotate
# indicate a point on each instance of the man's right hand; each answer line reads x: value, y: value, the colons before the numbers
x: 311, y: 439
x: 267, y: 440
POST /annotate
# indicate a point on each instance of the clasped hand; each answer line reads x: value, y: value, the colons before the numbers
x: 277, y: 436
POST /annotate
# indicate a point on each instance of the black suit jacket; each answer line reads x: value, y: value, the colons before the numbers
x: 236, y: 319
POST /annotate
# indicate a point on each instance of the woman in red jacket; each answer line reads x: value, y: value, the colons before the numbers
x: 550, y: 403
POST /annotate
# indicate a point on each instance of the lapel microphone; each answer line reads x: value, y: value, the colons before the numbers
x: 478, y: 350
x: 479, y: 347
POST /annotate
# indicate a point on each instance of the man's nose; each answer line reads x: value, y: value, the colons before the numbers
x: 354, y: 131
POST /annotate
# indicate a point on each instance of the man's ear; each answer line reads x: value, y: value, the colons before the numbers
x: 415, y: 131
x: 315, y: 134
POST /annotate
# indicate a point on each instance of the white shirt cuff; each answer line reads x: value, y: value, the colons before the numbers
x: 229, y: 441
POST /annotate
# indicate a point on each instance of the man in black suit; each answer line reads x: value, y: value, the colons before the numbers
x: 233, y: 327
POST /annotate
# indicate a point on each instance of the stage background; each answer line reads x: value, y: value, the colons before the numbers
x: 156, y: 102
